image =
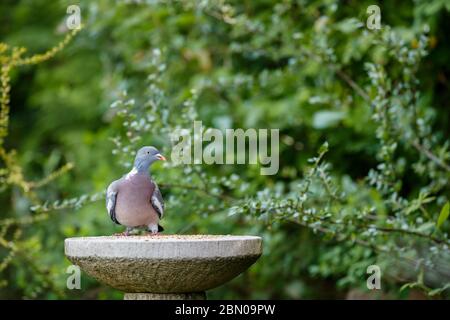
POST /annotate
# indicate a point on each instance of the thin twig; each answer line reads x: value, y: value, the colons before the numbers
x: 363, y: 94
x: 195, y: 188
x: 353, y: 84
x: 430, y: 155
x: 413, y: 233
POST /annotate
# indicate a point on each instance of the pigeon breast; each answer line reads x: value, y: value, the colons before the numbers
x: 133, y: 206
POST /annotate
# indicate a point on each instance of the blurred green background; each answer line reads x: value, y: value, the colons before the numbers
x: 296, y: 66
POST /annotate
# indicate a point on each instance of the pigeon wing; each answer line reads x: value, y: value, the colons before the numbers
x: 157, y: 201
x: 111, y: 198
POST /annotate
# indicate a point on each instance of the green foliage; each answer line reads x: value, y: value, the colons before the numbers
x: 443, y: 215
x: 363, y: 118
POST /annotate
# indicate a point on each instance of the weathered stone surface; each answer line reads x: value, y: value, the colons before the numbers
x: 164, y: 264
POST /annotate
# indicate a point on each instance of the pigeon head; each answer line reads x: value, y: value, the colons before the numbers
x: 145, y: 157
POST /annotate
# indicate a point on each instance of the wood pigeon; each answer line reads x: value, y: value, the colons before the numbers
x: 134, y: 200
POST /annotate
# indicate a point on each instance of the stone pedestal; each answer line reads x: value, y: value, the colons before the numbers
x: 164, y: 267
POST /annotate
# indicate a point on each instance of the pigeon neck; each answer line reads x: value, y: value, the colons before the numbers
x: 140, y: 168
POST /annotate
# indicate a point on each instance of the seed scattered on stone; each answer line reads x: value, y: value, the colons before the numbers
x: 167, y: 236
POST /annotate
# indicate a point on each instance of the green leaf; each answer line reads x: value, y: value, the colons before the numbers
x: 426, y: 226
x: 443, y: 215
x: 409, y: 285
x: 349, y: 25
x: 326, y: 119
x: 438, y: 291
x: 323, y: 148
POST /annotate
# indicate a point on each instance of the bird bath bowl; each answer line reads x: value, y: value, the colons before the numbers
x: 164, y: 266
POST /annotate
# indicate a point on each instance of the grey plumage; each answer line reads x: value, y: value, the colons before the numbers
x: 111, y: 195
x: 157, y: 201
x: 135, y: 199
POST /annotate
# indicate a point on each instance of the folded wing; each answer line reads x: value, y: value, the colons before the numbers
x: 111, y: 198
x: 157, y: 201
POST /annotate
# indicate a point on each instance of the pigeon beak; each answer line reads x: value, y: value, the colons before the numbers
x: 161, y: 157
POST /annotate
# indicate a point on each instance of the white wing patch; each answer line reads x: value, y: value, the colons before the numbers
x: 157, y: 204
x: 157, y: 201
x: 111, y: 197
x: 111, y: 201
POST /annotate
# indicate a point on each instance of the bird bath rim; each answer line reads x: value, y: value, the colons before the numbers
x: 164, y: 246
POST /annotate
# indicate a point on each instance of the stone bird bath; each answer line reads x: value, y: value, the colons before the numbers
x: 164, y: 266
